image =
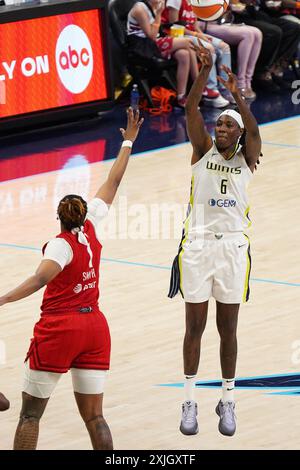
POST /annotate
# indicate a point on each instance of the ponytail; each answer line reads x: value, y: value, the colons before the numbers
x: 72, y: 211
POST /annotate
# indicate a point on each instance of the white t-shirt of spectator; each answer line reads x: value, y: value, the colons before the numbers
x: 176, y: 4
x: 133, y: 28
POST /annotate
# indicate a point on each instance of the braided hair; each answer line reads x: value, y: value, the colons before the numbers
x: 72, y: 211
x: 242, y: 143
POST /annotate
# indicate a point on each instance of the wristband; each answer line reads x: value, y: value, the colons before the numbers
x: 127, y: 143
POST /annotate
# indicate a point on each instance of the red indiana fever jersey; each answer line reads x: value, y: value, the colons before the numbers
x: 77, y: 285
x: 185, y: 13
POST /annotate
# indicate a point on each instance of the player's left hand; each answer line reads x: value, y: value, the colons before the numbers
x: 2, y: 301
x: 133, y: 125
x: 231, y: 82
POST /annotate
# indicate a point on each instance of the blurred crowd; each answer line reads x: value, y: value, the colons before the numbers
x: 258, y: 39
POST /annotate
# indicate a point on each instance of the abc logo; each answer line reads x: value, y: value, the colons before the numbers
x: 74, y: 59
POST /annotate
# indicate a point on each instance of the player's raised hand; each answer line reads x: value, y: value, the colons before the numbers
x: 203, y: 55
x: 231, y: 82
x: 133, y: 125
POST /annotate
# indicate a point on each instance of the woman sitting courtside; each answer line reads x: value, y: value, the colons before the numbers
x: 144, y: 21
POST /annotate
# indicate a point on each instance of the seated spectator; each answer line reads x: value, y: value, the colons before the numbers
x: 287, y: 9
x: 144, y: 20
x: 181, y: 11
x: 280, y: 42
x: 247, y: 39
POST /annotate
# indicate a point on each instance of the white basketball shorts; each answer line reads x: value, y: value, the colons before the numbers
x: 215, y: 267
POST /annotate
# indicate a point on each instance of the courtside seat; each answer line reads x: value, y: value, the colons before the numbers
x: 143, y: 71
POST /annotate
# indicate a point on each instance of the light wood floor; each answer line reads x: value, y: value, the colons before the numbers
x: 147, y: 328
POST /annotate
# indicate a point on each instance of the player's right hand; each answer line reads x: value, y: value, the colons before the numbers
x: 203, y: 55
x: 133, y: 125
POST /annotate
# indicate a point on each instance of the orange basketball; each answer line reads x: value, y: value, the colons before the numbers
x: 209, y: 10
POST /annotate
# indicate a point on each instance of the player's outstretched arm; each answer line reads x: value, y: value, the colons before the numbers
x: 252, y: 147
x: 108, y: 190
x: 198, y: 135
x: 46, y: 271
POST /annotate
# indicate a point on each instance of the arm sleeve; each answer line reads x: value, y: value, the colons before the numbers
x: 59, y: 250
x: 97, y: 210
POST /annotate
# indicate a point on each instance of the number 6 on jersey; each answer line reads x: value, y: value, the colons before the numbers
x: 224, y: 186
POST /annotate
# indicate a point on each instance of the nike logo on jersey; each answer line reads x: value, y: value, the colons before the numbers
x: 222, y: 168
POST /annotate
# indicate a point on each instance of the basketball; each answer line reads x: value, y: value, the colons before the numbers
x: 209, y: 10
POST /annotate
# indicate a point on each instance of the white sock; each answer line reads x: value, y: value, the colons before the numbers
x: 227, y: 390
x: 180, y: 96
x: 189, y: 387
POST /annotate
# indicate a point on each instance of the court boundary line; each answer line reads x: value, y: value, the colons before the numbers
x: 146, y: 265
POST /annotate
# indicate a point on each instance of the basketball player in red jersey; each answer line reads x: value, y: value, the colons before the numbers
x: 72, y: 332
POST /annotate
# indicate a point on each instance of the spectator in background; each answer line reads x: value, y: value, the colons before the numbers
x: 280, y: 42
x: 288, y: 9
x: 144, y: 20
x: 248, y: 41
x: 180, y: 11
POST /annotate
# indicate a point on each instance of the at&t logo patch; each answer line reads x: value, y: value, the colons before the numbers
x: 74, y: 59
x: 77, y: 288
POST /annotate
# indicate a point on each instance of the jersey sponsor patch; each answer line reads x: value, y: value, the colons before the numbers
x: 77, y: 288
x: 222, y: 202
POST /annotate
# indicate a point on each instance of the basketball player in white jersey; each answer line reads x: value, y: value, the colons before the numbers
x: 214, y: 255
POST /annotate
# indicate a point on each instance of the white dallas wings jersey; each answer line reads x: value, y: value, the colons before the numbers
x: 218, y: 201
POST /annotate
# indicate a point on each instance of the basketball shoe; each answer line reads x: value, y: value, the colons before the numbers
x: 225, y: 411
x: 189, y: 425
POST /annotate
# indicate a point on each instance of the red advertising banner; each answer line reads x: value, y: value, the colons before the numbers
x: 37, y: 163
x: 50, y: 62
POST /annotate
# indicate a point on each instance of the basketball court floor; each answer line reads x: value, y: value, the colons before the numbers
x: 144, y: 392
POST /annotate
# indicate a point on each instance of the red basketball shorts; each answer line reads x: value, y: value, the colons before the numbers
x: 165, y: 45
x: 74, y: 340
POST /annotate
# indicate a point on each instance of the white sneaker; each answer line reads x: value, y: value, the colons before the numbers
x: 218, y: 102
x: 189, y: 424
x: 227, y: 423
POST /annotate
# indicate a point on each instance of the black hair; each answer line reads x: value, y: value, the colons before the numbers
x: 72, y: 211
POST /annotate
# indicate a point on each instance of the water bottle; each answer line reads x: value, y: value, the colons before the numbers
x: 134, y: 98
